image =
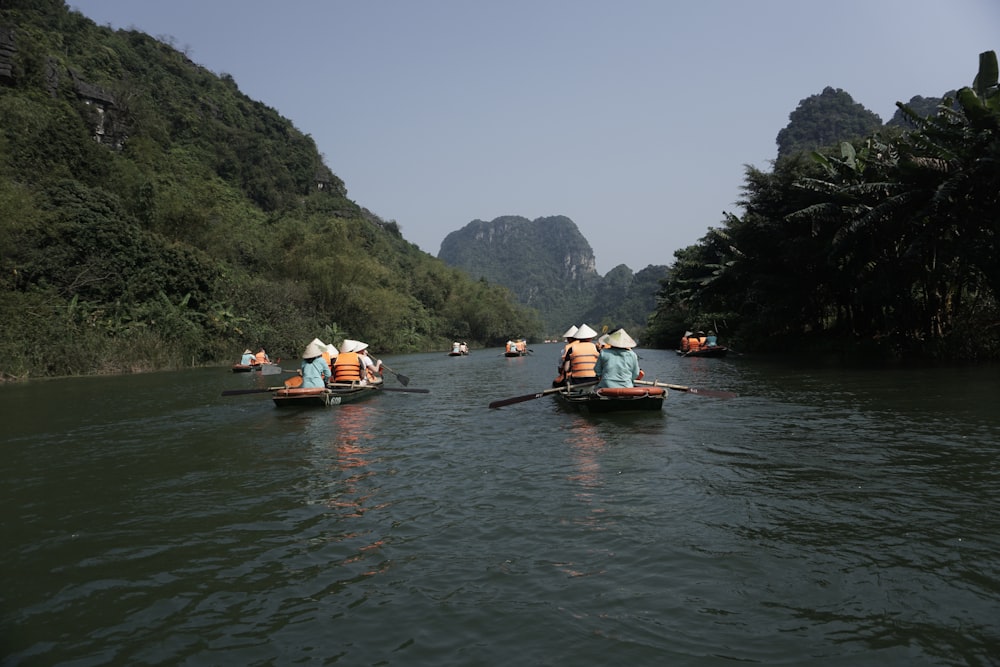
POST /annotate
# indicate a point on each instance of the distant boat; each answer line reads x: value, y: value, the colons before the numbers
x: 518, y: 349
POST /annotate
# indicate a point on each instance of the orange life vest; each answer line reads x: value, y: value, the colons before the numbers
x: 347, y: 367
x: 261, y: 357
x: 581, y: 358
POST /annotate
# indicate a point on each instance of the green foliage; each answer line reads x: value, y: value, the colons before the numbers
x: 886, y: 244
x: 825, y: 119
x: 153, y: 216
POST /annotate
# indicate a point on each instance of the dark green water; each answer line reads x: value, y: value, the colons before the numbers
x: 827, y: 516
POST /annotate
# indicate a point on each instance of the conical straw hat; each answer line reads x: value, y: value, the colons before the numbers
x: 621, y: 339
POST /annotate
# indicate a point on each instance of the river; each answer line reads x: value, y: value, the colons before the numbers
x: 828, y: 515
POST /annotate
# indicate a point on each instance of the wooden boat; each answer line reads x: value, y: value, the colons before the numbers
x: 613, y: 399
x: 516, y: 353
x: 332, y: 394
x: 458, y: 354
x: 711, y: 351
x: 265, y: 369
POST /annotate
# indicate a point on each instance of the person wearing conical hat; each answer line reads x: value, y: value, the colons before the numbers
x: 560, y: 371
x: 348, y: 367
x: 314, y: 368
x: 618, y: 365
x: 247, y: 359
x: 371, y: 369
x: 581, y: 356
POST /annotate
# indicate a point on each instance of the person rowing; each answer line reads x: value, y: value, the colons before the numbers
x: 314, y: 369
x: 581, y: 357
x: 354, y: 365
x: 618, y: 365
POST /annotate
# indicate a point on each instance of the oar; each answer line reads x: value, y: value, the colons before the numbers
x: 241, y: 392
x: 530, y: 397
x: 403, y: 380
x: 715, y: 393
x: 273, y: 369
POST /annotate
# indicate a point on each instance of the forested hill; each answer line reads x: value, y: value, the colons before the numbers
x: 152, y: 215
x: 886, y: 244
x: 549, y: 265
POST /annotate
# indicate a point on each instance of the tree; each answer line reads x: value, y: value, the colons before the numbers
x: 825, y: 120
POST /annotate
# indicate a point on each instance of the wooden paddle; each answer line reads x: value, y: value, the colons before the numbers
x: 530, y: 397
x: 691, y: 390
x: 241, y: 392
x: 403, y: 380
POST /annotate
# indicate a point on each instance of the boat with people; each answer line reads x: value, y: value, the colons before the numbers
x: 334, y: 393
x: 612, y: 399
x: 458, y: 349
x: 250, y: 362
x: 701, y: 344
x: 268, y: 368
x: 516, y: 347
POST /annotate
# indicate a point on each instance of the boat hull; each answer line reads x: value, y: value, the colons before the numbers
x: 625, y: 399
x: 245, y: 368
x: 323, y: 397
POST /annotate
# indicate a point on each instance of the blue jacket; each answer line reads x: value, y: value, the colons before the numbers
x: 314, y: 372
x: 617, y: 367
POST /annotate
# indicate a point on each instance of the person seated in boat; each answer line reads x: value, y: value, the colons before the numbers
x: 329, y: 355
x: 314, y: 369
x: 711, y: 340
x: 522, y: 345
x: 560, y: 370
x: 353, y: 363
x: 702, y: 340
x: 464, y: 348
x: 581, y: 356
x: 511, y: 346
x: 372, y: 367
x: 247, y: 359
x: 691, y: 342
x: 686, y: 341
x: 618, y: 365
x: 261, y: 357
x: 322, y: 348
x: 348, y: 367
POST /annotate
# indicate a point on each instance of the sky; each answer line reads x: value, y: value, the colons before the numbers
x: 636, y: 119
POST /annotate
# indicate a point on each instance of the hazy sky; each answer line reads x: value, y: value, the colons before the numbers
x: 633, y: 118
